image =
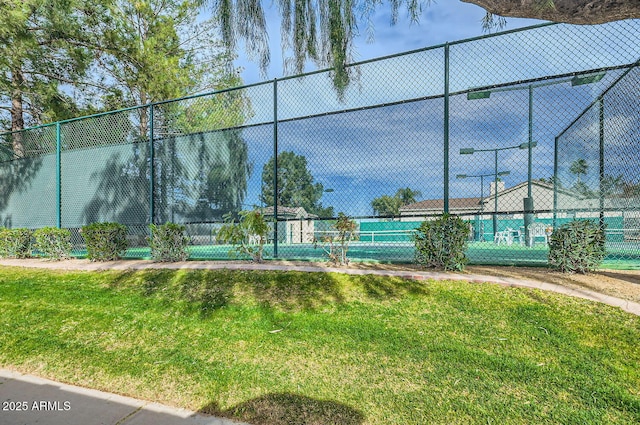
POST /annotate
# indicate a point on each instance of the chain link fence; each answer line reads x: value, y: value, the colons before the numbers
x: 517, y: 133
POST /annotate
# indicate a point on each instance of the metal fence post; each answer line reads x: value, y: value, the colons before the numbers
x: 275, y: 168
x: 58, y: 176
x: 528, y: 201
x: 446, y: 128
x: 601, y: 176
x: 151, y: 168
x: 555, y: 183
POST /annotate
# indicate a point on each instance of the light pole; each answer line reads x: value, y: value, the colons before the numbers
x: 576, y: 80
x: 480, y: 236
x: 471, y: 151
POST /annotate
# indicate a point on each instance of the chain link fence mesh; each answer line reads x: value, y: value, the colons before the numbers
x: 517, y: 133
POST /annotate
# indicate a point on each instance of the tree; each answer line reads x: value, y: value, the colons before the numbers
x: 386, y: 205
x: 296, y: 187
x: 583, y: 190
x: 154, y: 50
x: 407, y: 195
x: 579, y: 167
x: 323, y: 31
x: 583, y: 12
x: 551, y: 180
x: 40, y: 49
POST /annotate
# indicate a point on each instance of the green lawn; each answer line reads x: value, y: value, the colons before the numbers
x: 294, y: 348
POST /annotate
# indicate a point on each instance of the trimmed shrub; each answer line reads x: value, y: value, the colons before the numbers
x: 168, y: 242
x: 577, y: 246
x: 105, y: 241
x: 53, y: 242
x: 15, y: 243
x: 442, y: 243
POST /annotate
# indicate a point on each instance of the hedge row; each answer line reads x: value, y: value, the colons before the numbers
x: 104, y: 242
x: 578, y: 246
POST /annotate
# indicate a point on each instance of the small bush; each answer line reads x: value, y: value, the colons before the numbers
x: 53, y: 242
x: 577, y: 246
x: 248, y: 235
x: 337, y: 246
x: 105, y: 241
x: 15, y: 243
x: 442, y: 243
x: 168, y: 242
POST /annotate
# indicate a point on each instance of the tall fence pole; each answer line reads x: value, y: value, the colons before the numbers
x: 446, y: 128
x: 58, y: 176
x: 151, y: 168
x: 555, y: 184
x: 528, y: 201
x: 275, y: 168
x: 601, y: 177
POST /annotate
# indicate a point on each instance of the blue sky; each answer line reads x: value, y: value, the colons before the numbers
x: 446, y: 20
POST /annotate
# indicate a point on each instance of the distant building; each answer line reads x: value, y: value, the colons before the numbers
x: 622, y: 215
x: 510, y: 201
x: 297, y: 225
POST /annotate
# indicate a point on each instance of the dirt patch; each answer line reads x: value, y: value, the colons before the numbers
x: 623, y: 284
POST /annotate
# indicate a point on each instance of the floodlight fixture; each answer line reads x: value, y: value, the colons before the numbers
x: 475, y: 95
x: 526, y: 145
x: 580, y: 80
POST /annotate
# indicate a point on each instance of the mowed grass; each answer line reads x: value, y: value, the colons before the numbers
x: 314, y: 348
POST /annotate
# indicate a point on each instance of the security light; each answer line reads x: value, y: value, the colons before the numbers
x: 474, y: 95
x: 526, y: 145
x: 580, y: 80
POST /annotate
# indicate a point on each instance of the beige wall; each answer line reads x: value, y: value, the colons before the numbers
x: 299, y: 231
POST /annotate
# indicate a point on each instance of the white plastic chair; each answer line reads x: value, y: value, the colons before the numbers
x: 502, y: 236
x: 538, y: 230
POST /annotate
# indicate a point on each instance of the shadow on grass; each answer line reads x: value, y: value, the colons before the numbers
x: 289, y: 409
x: 293, y: 290
x: 200, y: 289
x: 209, y: 290
x: 380, y: 288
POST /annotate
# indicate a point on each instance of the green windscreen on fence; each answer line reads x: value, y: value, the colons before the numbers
x: 517, y: 133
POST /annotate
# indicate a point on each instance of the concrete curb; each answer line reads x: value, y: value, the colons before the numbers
x: 75, y: 264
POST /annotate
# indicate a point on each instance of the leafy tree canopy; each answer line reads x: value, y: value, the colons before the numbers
x: 296, y: 186
x: 389, y: 206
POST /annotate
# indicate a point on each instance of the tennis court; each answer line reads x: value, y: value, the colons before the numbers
x: 623, y: 256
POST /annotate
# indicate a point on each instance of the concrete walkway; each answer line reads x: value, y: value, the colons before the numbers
x: 75, y: 264
x: 28, y: 400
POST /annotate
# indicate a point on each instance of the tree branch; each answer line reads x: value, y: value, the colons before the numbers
x: 583, y: 12
x: 67, y: 80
